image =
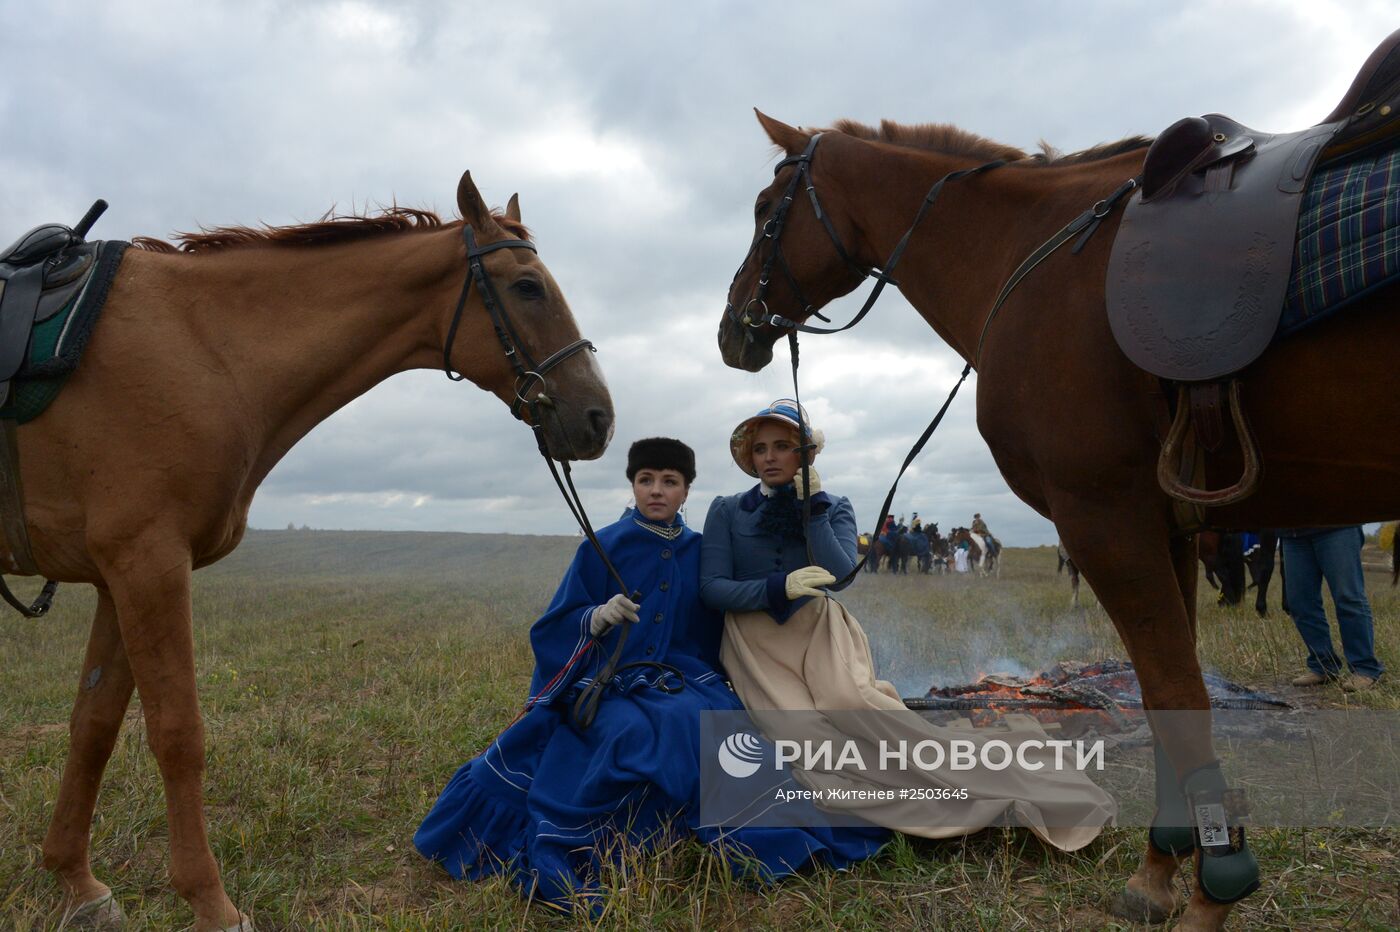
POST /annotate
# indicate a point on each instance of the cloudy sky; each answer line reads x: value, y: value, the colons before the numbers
x: 627, y: 128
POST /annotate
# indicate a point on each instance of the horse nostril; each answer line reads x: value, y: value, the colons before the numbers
x: 601, y: 421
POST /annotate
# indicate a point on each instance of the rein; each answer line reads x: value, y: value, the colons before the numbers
x: 530, y: 374
x: 755, y: 313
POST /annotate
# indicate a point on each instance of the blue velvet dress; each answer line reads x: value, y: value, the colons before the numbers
x: 546, y: 798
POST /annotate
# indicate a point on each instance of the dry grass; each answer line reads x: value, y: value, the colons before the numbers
x: 345, y: 676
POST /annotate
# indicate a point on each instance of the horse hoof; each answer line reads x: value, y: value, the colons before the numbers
x: 99, y: 914
x: 1136, y: 907
x: 244, y: 924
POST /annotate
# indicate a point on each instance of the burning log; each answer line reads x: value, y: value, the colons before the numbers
x: 1078, y: 696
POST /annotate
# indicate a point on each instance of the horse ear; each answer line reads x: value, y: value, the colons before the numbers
x: 513, y: 208
x: 471, y: 206
x: 788, y: 138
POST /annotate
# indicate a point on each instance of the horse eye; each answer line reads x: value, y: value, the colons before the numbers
x: 760, y: 210
x: 528, y: 288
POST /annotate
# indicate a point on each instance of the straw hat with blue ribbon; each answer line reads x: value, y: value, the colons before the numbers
x: 782, y: 411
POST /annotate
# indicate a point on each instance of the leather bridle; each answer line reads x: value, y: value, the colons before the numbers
x: 527, y: 371
x: 755, y: 313
x: 528, y: 374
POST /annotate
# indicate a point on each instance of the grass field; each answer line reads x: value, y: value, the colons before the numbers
x: 344, y: 676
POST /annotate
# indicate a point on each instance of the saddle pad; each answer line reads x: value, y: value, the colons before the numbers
x: 57, y: 343
x: 1348, y: 238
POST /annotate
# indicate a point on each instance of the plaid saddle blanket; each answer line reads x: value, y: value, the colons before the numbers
x: 1348, y: 241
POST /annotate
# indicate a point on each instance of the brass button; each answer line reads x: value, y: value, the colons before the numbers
x: 659, y: 616
x: 666, y: 554
x: 665, y: 585
x: 1385, y: 111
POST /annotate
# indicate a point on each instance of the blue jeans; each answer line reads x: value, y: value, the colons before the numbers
x: 1334, y: 555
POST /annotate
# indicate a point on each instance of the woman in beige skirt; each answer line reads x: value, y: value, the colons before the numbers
x: 801, y: 664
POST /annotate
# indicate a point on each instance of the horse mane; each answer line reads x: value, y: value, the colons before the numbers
x: 330, y: 228
x: 951, y: 140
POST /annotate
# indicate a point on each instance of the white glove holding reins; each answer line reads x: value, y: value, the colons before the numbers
x: 612, y: 612
x: 813, y: 486
x: 805, y: 581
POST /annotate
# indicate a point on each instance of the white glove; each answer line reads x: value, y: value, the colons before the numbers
x: 814, y: 483
x: 613, y: 612
x: 804, y: 582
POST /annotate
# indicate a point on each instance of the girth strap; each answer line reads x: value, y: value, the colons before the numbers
x: 16, y: 535
x: 12, y: 502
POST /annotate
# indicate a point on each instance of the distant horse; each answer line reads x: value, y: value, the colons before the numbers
x: 1086, y: 453
x: 899, y: 549
x: 207, y: 365
x: 1261, y: 562
x: 1222, y: 555
x: 917, y: 543
x: 988, y: 560
x: 1066, y: 563
x: 938, y: 548
x: 1225, y: 562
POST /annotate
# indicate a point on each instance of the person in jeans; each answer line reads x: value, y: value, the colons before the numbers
x: 1334, y: 554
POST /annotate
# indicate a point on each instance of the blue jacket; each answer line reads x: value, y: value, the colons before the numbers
x: 673, y: 627
x: 744, y: 568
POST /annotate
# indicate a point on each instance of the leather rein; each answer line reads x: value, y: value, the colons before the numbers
x: 530, y: 374
x: 755, y: 313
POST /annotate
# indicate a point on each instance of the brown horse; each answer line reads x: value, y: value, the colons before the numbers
x: 1083, y: 454
x: 205, y: 368
x: 987, y: 560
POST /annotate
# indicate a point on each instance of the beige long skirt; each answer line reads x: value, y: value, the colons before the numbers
x: 818, y: 664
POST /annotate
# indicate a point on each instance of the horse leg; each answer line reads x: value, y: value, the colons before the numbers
x: 1145, y: 581
x: 104, y: 692
x: 1150, y: 894
x: 150, y: 587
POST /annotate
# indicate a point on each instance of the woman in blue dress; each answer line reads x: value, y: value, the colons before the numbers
x: 547, y: 801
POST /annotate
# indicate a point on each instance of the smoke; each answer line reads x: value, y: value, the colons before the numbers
x: 926, y: 633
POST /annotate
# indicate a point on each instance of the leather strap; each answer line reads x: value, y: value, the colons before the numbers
x: 1206, y: 414
x: 22, y: 291
x: 12, y: 502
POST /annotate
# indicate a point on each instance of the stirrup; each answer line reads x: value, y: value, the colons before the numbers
x: 1177, y: 488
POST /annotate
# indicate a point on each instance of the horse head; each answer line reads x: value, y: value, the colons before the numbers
x: 801, y: 256
x: 514, y: 335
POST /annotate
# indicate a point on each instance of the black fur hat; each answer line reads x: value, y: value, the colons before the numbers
x: 661, y: 453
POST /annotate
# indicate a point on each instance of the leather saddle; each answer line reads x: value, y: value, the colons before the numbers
x: 39, y: 275
x: 1201, y: 261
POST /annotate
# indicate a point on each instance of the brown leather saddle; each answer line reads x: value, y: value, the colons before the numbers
x: 1201, y: 261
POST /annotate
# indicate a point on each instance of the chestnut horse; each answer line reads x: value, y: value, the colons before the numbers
x: 1085, y: 454
x: 206, y: 367
x: 988, y: 561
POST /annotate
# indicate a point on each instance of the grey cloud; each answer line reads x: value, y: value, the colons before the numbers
x: 627, y: 129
